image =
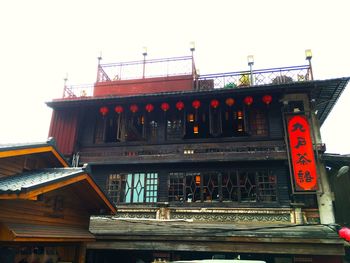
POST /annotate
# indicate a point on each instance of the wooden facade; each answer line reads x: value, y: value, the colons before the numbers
x: 45, y: 206
x: 214, y: 157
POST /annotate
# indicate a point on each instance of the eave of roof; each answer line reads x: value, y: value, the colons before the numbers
x: 324, y: 92
x: 18, y: 149
x: 29, y: 185
x: 336, y: 160
x: 44, y: 233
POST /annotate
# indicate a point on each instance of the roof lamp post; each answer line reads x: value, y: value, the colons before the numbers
x: 308, y: 57
x: 192, y: 49
x: 250, y: 59
x: 144, y: 54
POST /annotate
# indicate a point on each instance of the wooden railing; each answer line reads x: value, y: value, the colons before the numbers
x: 184, y: 152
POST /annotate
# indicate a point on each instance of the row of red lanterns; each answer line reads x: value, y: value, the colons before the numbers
x: 248, y: 100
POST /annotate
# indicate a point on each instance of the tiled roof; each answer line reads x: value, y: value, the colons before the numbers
x: 33, y: 179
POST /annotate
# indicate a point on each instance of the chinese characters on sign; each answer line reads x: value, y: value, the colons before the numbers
x: 302, y: 155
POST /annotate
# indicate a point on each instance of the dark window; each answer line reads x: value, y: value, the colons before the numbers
x: 197, y: 124
x: 175, y: 125
x: 228, y: 186
x: 258, y: 122
x: 109, y: 128
x: 134, y: 127
x: 234, y: 122
x: 133, y: 187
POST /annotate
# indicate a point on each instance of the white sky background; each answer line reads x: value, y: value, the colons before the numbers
x: 42, y: 40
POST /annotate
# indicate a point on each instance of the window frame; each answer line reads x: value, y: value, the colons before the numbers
x: 133, y: 187
x: 263, y: 186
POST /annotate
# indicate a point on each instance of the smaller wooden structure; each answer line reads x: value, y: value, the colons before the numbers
x: 45, y: 212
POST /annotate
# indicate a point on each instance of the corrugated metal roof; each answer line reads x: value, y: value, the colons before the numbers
x: 64, y: 129
x: 28, y: 180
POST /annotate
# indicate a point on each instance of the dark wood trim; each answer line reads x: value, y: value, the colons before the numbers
x: 271, y: 246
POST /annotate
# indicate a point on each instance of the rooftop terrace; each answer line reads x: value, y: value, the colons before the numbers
x: 177, y: 74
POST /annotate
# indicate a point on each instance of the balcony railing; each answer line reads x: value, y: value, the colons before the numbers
x: 185, y: 66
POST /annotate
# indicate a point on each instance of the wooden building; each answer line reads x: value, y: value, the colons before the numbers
x: 45, y: 205
x: 215, y: 165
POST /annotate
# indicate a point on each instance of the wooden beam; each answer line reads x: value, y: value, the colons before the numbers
x: 51, y: 187
x: 5, y: 233
x: 25, y: 151
x: 101, y: 195
x: 58, y: 156
x: 251, y: 247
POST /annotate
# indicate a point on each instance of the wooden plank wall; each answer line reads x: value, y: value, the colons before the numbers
x: 275, y: 123
x: 11, y: 165
x: 17, y: 164
x: 60, y: 207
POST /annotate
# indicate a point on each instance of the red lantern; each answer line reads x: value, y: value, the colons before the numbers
x: 149, y: 107
x: 344, y: 232
x: 104, y: 110
x: 214, y: 104
x: 196, y: 104
x: 134, y: 108
x: 118, y: 109
x: 267, y: 99
x: 180, y: 105
x: 248, y: 100
x: 165, y: 106
x: 229, y: 102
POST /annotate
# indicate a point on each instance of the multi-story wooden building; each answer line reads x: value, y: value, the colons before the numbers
x: 206, y: 166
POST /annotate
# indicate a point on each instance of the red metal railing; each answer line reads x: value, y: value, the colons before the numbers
x: 146, y: 69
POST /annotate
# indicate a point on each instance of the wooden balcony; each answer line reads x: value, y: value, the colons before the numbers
x: 184, y: 152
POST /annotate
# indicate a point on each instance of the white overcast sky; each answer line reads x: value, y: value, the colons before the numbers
x: 42, y: 40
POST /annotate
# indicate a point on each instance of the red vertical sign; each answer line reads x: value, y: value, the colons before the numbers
x: 302, y: 154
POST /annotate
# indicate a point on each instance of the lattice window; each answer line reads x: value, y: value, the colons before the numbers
x: 267, y: 186
x: 176, y: 187
x: 247, y: 184
x: 115, y: 185
x: 193, y: 187
x: 211, y: 186
x: 151, y: 187
x: 237, y: 185
x: 133, y: 187
x: 230, y: 188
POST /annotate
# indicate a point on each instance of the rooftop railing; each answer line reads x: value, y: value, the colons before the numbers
x: 185, y: 66
x: 146, y: 69
x: 253, y: 78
